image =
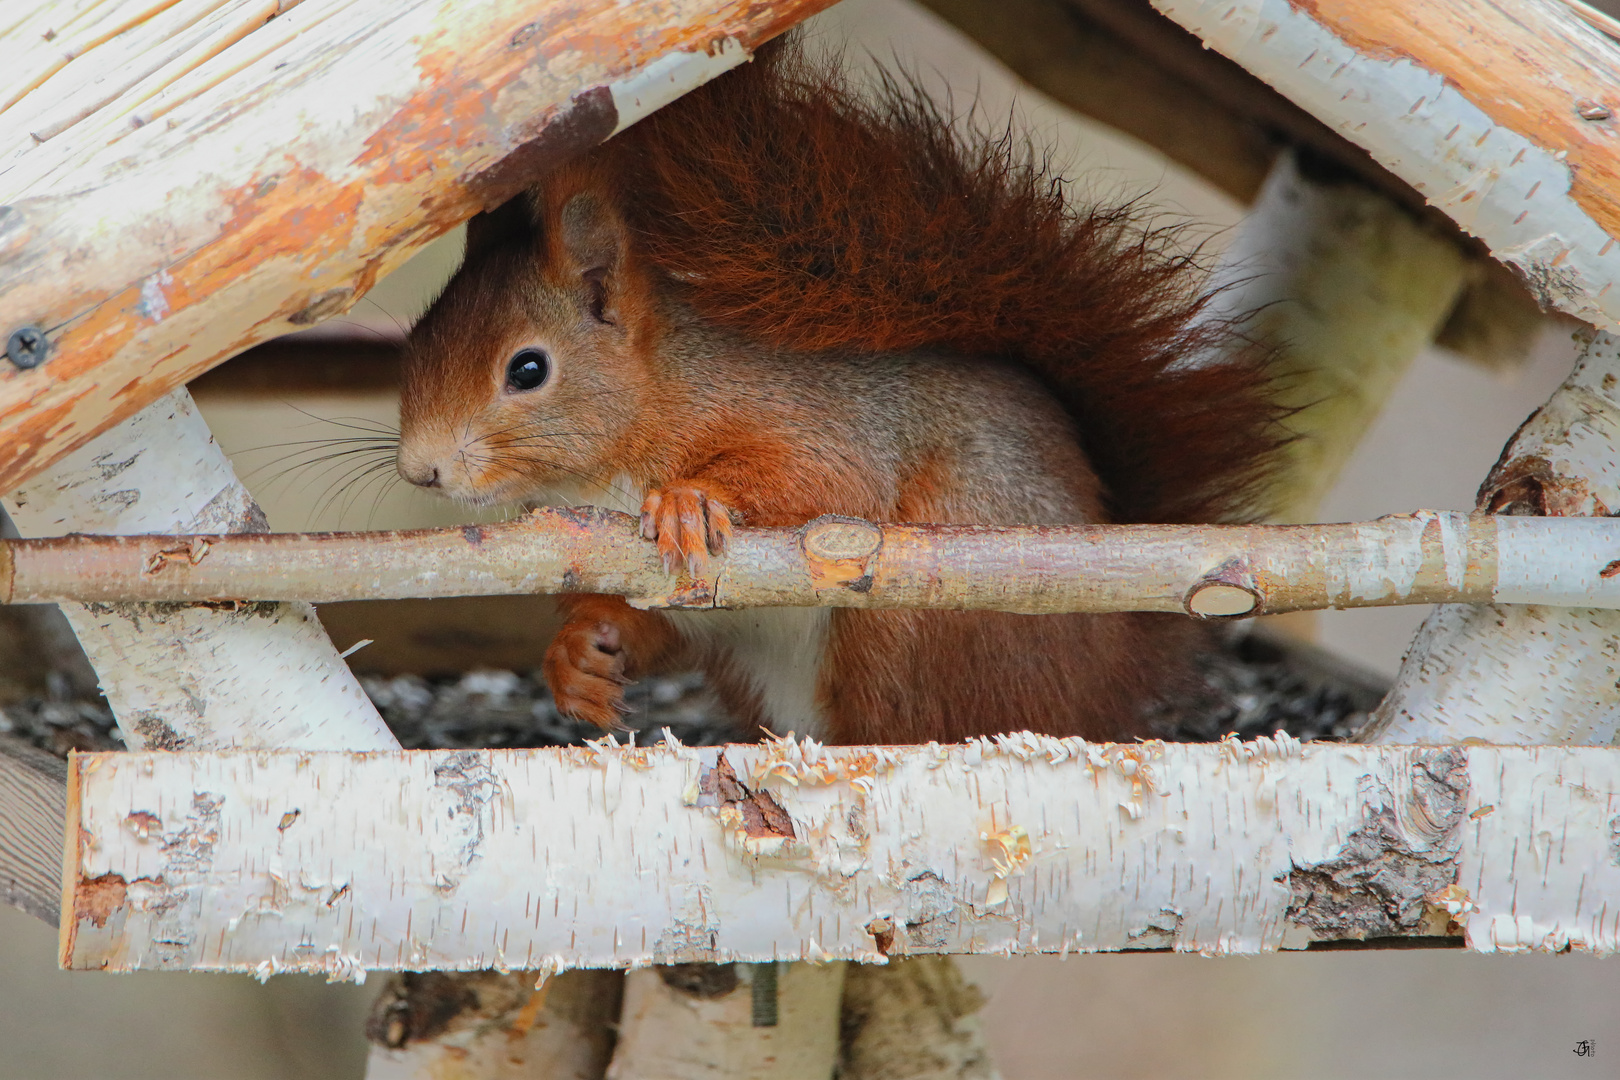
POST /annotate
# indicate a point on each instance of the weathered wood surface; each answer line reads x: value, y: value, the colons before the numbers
x: 33, y: 806
x: 1207, y: 570
x: 604, y: 856
x: 1528, y: 674
x: 194, y: 676
x: 289, y: 169
x: 1502, y: 114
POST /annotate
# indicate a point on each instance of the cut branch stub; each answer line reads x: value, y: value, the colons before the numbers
x: 1229, y: 592
x: 839, y: 550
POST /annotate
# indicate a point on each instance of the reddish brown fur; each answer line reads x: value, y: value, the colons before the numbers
x: 818, y: 305
x: 811, y: 218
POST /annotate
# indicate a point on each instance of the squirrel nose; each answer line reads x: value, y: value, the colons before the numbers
x: 426, y: 476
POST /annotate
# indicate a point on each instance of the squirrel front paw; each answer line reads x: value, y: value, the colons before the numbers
x: 689, y: 523
x: 585, y: 669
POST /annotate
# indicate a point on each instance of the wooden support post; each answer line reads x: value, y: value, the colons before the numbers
x: 1528, y: 674
x: 776, y: 1021
x: 194, y: 675
x: 495, y: 1026
x: 33, y: 808
x: 1348, y: 288
x: 912, y: 1019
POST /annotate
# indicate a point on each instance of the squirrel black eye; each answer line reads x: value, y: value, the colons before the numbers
x: 528, y: 369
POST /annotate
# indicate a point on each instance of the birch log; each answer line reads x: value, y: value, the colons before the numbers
x: 200, y: 676
x: 669, y: 1033
x: 912, y: 1019
x: 605, y: 856
x: 1528, y: 674
x: 495, y: 1026
x: 289, y: 170
x: 1348, y: 288
x: 1204, y: 570
x: 1501, y: 115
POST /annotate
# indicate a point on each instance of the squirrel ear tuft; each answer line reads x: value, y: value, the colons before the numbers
x: 509, y: 224
x: 591, y: 233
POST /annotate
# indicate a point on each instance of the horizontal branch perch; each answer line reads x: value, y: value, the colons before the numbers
x: 1204, y: 570
x: 610, y: 856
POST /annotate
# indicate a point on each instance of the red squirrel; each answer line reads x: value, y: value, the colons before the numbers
x: 778, y: 298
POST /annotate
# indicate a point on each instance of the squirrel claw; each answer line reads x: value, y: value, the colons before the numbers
x: 689, y: 525
x: 584, y: 666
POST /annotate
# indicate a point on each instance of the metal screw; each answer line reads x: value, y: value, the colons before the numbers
x: 1593, y: 110
x: 27, y: 347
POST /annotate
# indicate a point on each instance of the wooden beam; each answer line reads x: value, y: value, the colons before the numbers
x: 33, y: 807
x: 1346, y: 289
x: 290, y: 170
x: 1501, y: 115
x: 604, y: 856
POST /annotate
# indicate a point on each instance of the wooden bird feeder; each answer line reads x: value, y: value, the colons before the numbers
x: 182, y: 180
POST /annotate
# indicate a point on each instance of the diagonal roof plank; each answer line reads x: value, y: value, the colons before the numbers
x: 219, y: 172
x: 1503, y: 115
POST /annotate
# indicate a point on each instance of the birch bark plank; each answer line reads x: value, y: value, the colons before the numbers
x: 612, y: 857
x: 277, y: 197
x: 1501, y: 115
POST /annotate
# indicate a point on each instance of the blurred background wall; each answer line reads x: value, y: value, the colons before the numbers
x: 1432, y: 1014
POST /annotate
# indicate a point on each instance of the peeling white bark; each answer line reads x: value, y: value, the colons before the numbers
x: 184, y: 676
x: 1528, y: 674
x: 612, y: 857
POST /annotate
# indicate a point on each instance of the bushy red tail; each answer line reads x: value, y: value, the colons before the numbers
x: 792, y: 209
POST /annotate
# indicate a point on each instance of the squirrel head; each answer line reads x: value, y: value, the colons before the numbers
x: 523, y: 376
